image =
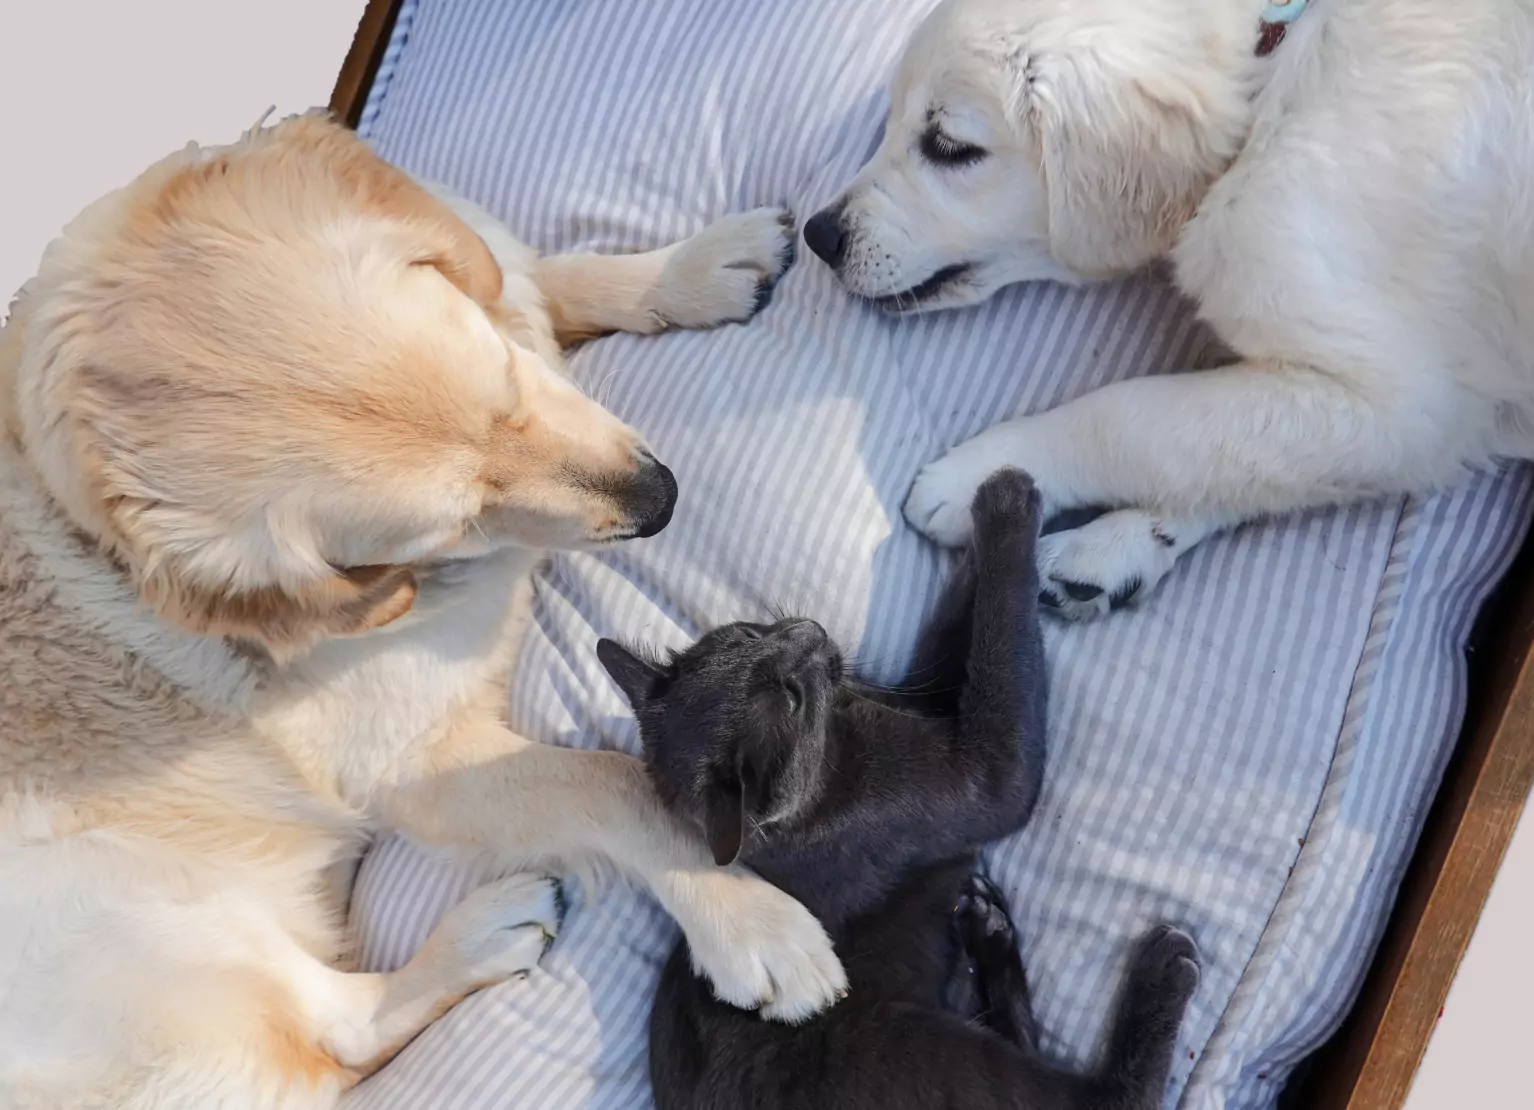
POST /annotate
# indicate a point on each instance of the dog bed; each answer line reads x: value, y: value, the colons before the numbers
x: 1250, y: 753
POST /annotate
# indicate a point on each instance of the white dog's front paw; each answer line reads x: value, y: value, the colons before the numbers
x: 762, y: 949
x: 501, y: 929
x: 1105, y: 564
x: 938, y: 505
x: 726, y: 272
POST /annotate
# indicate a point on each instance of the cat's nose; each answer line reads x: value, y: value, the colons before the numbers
x: 806, y: 632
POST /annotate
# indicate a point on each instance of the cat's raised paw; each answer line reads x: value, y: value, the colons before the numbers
x: 1006, y: 501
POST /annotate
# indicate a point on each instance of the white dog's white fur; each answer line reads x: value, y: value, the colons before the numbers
x: 252, y: 367
x: 1353, y: 214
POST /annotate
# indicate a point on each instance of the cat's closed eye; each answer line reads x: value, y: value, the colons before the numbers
x: 794, y: 694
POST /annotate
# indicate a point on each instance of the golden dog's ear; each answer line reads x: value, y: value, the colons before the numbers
x: 440, y: 239
x: 460, y: 256
x: 1126, y: 160
x: 214, y: 553
x: 286, y: 622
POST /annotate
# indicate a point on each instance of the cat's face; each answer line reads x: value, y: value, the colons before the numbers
x: 734, y: 727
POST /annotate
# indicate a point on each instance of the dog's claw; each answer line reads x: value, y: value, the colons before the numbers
x: 764, y: 289
x: 561, y: 903
x: 789, y: 257
x: 1125, y: 594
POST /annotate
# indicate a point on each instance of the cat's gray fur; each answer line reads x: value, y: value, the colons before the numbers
x: 869, y: 806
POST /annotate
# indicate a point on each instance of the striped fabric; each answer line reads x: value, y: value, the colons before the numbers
x: 1249, y: 754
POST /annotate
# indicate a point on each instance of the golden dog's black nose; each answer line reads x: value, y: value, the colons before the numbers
x: 651, y: 496
x: 823, y: 234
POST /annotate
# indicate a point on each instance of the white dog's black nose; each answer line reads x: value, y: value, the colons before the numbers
x: 823, y: 234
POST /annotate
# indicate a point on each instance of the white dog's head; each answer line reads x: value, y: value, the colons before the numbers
x: 1041, y: 139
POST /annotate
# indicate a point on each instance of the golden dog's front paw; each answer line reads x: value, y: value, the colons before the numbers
x: 760, y: 948
x: 726, y: 272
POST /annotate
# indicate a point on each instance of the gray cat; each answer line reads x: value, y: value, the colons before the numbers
x: 869, y: 805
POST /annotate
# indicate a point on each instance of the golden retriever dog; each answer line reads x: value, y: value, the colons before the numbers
x: 282, y: 437
x: 1344, y: 189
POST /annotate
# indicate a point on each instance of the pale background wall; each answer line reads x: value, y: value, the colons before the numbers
x: 92, y: 91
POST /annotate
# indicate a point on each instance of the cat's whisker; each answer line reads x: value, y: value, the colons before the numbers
x: 776, y: 611
x: 885, y: 706
x: 861, y: 663
x: 907, y: 689
x: 865, y: 684
x: 833, y: 768
x: 936, y: 664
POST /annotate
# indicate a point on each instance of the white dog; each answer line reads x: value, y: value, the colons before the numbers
x: 281, y: 440
x: 1346, y: 190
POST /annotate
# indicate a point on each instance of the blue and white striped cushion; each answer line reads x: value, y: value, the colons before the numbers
x: 1250, y: 753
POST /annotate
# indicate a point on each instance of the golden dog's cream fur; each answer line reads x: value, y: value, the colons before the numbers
x: 281, y: 438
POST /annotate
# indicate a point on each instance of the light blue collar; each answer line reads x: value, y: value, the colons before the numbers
x: 1283, y: 11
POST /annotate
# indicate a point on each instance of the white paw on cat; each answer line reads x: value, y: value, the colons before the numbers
x: 759, y: 947
x: 1106, y: 564
x: 726, y: 272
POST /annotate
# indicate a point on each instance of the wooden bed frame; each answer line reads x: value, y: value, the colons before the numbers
x: 1370, y: 1062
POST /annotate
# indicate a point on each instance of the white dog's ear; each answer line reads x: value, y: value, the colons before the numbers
x: 1126, y: 158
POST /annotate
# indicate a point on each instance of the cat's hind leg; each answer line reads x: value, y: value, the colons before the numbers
x: 905, y: 950
x: 989, y: 939
x: 1163, y: 977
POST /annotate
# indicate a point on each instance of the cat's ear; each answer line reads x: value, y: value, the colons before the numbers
x: 728, y: 806
x: 724, y: 819
x: 635, y: 675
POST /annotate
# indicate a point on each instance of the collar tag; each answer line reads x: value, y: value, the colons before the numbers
x: 1276, y: 18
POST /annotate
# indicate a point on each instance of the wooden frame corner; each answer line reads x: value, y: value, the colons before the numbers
x: 362, y: 60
